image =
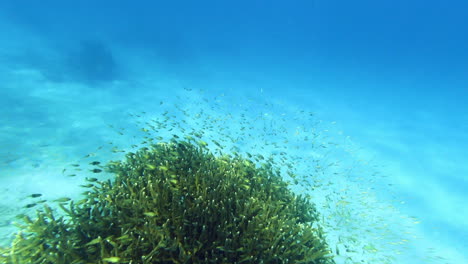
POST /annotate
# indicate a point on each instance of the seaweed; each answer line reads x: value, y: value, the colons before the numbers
x: 176, y: 202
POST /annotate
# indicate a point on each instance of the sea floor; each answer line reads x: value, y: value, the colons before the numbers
x: 48, y: 126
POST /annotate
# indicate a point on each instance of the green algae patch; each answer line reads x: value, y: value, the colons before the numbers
x: 177, y: 202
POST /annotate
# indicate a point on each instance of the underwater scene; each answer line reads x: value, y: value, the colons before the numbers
x: 325, y: 132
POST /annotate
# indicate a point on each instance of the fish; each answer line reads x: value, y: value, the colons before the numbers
x: 35, y: 195
x: 163, y: 168
x: 95, y: 163
x: 91, y: 179
x: 96, y: 170
x: 94, y: 241
x: 62, y: 200
x: 124, y: 237
x: 150, y: 167
x: 173, y: 181
x: 150, y: 214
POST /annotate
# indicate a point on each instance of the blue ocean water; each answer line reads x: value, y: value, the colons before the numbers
x: 389, y: 76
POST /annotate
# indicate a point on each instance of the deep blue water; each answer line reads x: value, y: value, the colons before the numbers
x: 392, y: 74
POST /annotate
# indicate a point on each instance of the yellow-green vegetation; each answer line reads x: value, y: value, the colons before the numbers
x: 177, y: 202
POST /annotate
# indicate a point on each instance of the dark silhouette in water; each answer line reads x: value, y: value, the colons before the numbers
x: 89, y: 61
x: 93, y: 62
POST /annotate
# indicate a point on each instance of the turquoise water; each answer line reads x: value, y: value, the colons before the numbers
x: 386, y: 80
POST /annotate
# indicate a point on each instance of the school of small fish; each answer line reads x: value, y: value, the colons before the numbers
x: 313, y: 155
